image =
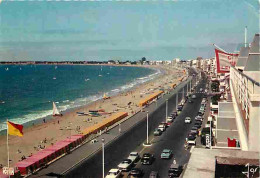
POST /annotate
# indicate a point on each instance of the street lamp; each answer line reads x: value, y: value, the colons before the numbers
x: 147, y: 130
x: 177, y: 100
x: 190, y: 84
x: 166, y: 109
x: 103, y: 157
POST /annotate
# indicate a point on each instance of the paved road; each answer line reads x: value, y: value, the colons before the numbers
x: 84, y: 152
x: 132, y: 140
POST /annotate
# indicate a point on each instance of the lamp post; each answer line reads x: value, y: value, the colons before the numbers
x: 166, y: 110
x: 103, y: 157
x: 183, y: 93
x: 147, y: 130
x: 190, y: 84
x: 177, y: 100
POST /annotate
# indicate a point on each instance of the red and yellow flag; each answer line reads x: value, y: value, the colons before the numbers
x: 15, y: 129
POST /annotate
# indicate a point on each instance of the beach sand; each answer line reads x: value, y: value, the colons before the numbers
x: 43, y: 135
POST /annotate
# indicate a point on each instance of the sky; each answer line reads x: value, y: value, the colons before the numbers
x: 123, y: 30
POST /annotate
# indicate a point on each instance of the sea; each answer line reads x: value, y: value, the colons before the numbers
x: 27, y: 91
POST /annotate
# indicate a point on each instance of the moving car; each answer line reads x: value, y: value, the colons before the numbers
x: 154, y: 174
x: 134, y: 156
x: 147, y: 158
x: 201, y: 89
x: 136, y: 172
x: 125, y: 165
x: 157, y: 132
x: 114, y: 173
x: 193, y: 96
x: 187, y: 120
x: 175, y: 170
x: 166, y: 154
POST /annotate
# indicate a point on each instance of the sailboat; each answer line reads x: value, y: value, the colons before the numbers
x: 105, y: 96
x: 56, y: 112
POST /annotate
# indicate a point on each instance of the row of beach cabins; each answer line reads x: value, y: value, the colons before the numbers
x: 46, y: 156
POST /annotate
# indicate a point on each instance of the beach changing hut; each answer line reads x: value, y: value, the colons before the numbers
x: 148, y: 99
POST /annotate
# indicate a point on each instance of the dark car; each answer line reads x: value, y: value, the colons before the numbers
x: 175, y: 170
x: 198, y: 125
x: 194, y: 130
x: 179, y: 108
x: 136, y: 172
x: 174, y: 113
x: 191, y: 134
x: 147, y: 158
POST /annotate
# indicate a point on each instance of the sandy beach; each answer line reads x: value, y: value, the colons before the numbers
x: 42, y: 135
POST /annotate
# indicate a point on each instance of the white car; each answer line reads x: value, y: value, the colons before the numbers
x: 169, y: 119
x: 134, y: 156
x: 114, y: 173
x: 193, y: 96
x: 198, y: 118
x: 125, y: 165
x: 187, y: 120
x: 162, y: 127
x: 191, y: 140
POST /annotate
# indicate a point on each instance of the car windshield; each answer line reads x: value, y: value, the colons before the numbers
x: 166, y: 151
x: 126, y: 161
x: 146, y: 155
x: 112, y: 173
x: 191, y: 137
x: 133, y: 154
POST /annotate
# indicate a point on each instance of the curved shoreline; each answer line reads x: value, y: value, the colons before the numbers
x: 39, y: 120
x: 58, y: 128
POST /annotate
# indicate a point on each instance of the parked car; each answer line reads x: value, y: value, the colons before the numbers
x: 198, y: 125
x: 157, y: 132
x: 136, y: 172
x: 166, y: 154
x: 187, y: 120
x: 134, y: 156
x: 175, y: 170
x: 147, y: 158
x: 194, y: 130
x: 198, y: 118
x: 174, y: 113
x: 199, y: 122
x: 162, y: 127
x: 114, y: 173
x: 191, y: 134
x: 169, y: 119
x: 125, y: 165
x: 191, y: 140
x: 154, y: 174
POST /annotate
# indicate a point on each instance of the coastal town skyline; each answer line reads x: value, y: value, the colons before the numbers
x: 158, y: 30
